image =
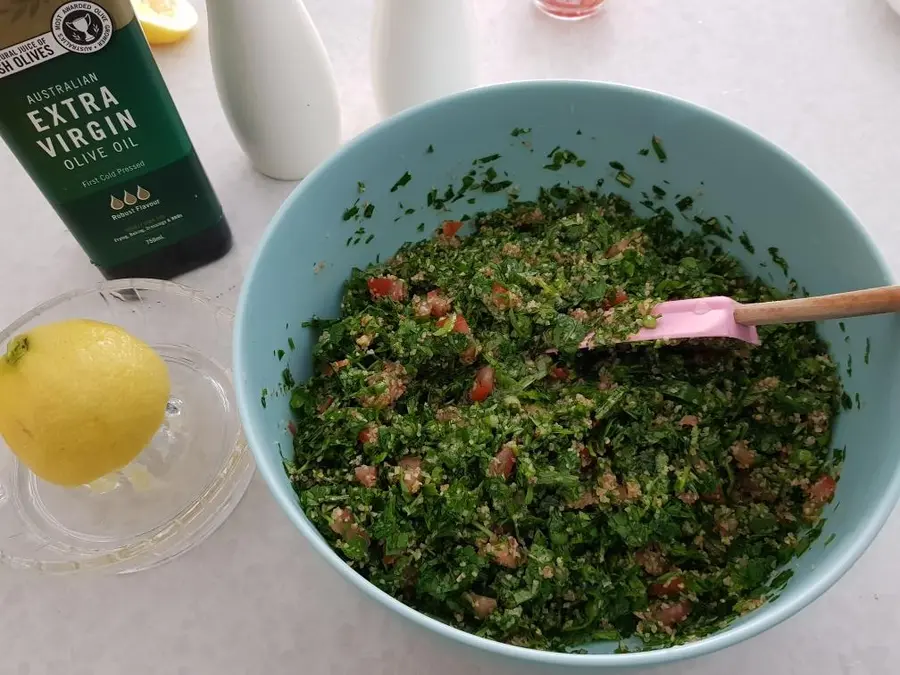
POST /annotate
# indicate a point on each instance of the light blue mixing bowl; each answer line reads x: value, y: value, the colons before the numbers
x: 731, y: 173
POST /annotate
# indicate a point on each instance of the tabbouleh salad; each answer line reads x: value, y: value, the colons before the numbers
x: 464, y: 454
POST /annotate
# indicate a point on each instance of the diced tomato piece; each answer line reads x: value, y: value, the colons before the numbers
x: 715, y: 497
x: 500, y: 296
x: 341, y: 519
x: 331, y: 368
x: 369, y: 434
x: 366, y: 475
x: 344, y: 525
x: 727, y: 526
x: 439, y: 304
x: 743, y: 454
x: 619, y: 247
x: 380, y: 287
x: 450, y: 228
x: 469, y: 354
x: 689, y: 421
x: 292, y: 428
x: 668, y: 589
x: 505, y: 552
x: 822, y: 491
x: 629, y: 491
x: 504, y: 462
x: 398, y: 292
x: 559, y: 373
x: 391, y: 380
x: 460, y: 325
x: 383, y: 287
x: 482, y: 605
x: 653, y: 562
x: 620, y: 297
x: 484, y: 384
x: 669, y: 614
x: 584, y: 455
x: 586, y: 499
x: 326, y: 404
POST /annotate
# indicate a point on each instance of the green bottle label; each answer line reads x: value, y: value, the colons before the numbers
x: 87, y: 113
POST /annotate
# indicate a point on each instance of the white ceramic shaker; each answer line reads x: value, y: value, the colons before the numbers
x: 275, y: 83
x: 421, y: 50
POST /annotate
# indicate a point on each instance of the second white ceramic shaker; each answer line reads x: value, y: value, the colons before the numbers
x: 421, y: 50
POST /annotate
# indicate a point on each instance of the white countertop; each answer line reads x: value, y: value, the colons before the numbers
x: 822, y: 79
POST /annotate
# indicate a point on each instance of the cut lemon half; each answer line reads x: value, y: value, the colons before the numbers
x: 165, y: 21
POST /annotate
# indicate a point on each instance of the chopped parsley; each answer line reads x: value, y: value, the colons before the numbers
x: 778, y: 259
x: 403, y: 180
x: 352, y: 212
x: 656, y: 143
x: 561, y: 158
x: 684, y: 203
x: 486, y: 160
x: 712, y: 227
x: 463, y: 452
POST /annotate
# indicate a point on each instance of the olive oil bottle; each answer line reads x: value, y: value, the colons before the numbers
x: 85, y: 109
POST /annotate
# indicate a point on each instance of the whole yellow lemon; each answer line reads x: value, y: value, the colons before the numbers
x: 79, y: 399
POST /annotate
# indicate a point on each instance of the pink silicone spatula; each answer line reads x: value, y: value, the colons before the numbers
x: 723, y: 317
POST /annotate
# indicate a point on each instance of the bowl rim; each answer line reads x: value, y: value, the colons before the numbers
x: 755, y: 623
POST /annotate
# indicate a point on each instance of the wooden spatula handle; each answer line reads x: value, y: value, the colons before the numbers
x: 837, y: 306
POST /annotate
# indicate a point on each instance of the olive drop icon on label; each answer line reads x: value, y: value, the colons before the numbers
x: 115, y: 203
x: 130, y: 199
x: 142, y: 194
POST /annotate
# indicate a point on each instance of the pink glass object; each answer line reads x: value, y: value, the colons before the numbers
x: 697, y: 318
x: 569, y: 10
